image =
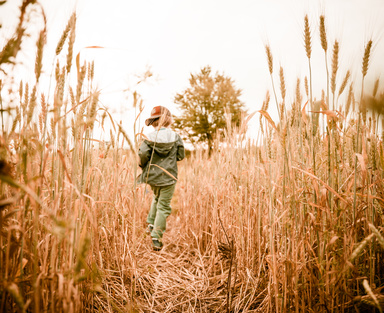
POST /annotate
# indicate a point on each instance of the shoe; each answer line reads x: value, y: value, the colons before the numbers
x: 149, y: 229
x: 157, y: 244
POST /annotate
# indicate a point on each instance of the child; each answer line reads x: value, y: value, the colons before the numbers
x: 158, y: 159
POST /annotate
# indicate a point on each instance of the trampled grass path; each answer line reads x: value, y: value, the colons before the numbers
x: 176, y: 279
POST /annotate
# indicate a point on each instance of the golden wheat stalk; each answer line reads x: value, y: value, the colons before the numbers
x: 360, y: 247
x: 270, y: 58
x: 349, y: 100
x: 367, y: 53
x: 39, y: 55
x: 307, y: 37
x: 323, y: 34
x: 374, y: 230
x: 71, y: 42
x: 372, y: 295
x: 65, y: 33
x: 282, y: 83
x: 335, y: 65
x: 344, y: 83
x: 375, y: 87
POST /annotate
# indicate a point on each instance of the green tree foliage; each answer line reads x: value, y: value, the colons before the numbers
x: 204, y: 105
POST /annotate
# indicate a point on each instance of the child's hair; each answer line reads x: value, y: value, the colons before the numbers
x: 164, y: 120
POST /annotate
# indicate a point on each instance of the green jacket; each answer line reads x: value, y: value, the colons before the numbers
x: 167, y: 148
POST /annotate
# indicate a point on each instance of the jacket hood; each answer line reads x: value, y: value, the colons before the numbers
x: 161, y: 148
x: 162, y: 141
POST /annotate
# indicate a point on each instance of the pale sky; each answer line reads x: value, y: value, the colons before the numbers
x: 176, y: 37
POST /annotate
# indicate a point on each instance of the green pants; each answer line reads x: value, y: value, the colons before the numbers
x: 160, y: 209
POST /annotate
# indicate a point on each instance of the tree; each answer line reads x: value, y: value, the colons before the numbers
x: 204, y: 104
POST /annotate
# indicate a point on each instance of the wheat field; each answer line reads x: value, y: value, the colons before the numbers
x: 289, y: 222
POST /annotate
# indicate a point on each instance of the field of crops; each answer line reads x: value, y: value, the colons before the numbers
x: 289, y: 222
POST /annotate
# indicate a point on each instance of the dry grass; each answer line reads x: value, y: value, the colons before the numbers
x: 291, y: 223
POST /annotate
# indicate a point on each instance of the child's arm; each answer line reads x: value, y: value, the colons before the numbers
x: 144, y: 154
x: 180, y: 150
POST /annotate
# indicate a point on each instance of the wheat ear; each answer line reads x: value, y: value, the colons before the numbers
x: 270, y: 58
x: 323, y: 34
x: 307, y: 37
x: 367, y: 53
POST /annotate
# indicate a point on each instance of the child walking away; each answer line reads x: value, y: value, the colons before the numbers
x: 158, y: 160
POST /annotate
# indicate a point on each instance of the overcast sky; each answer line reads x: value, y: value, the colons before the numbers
x: 176, y: 37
